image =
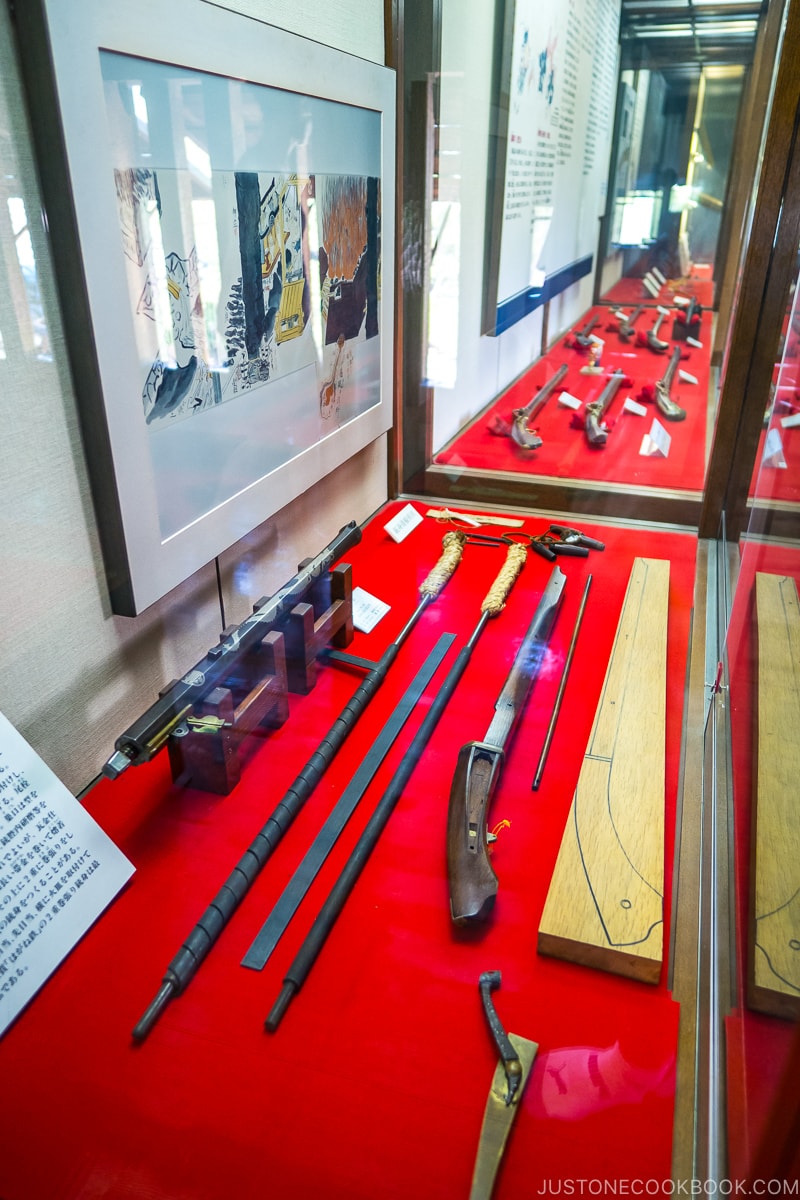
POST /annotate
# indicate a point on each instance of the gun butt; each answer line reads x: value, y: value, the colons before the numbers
x: 472, y: 881
x: 596, y: 432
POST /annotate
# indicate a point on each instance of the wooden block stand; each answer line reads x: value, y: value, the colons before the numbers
x: 326, y: 619
x: 255, y: 700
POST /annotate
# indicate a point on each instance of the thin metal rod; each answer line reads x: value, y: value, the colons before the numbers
x: 337, y: 897
x: 537, y: 779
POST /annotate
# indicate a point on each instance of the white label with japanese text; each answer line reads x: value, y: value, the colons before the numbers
x: 58, y: 871
x: 367, y: 610
x: 402, y: 523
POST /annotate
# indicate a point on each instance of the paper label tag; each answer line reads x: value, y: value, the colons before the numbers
x: 568, y: 401
x: 773, y: 450
x: 652, y: 288
x: 686, y: 377
x: 59, y: 871
x: 690, y: 341
x: 661, y: 278
x: 402, y: 523
x: 790, y: 422
x: 657, y: 442
x: 664, y: 311
x: 681, y: 301
x: 367, y: 610
x: 633, y: 406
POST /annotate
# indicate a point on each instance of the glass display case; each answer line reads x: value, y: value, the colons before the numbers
x: 464, y: 860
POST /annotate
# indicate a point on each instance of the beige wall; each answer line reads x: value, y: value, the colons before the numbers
x: 72, y: 675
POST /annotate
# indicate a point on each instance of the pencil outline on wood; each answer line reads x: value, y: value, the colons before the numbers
x: 609, y: 759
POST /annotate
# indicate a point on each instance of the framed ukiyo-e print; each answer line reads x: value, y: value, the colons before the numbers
x: 220, y: 203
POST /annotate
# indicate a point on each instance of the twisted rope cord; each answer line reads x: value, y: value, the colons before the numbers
x: 495, y: 600
x: 452, y: 549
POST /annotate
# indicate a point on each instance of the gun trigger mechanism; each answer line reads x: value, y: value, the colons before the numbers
x: 488, y: 983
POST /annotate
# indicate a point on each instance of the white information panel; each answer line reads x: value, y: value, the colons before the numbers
x: 560, y: 61
x: 58, y: 871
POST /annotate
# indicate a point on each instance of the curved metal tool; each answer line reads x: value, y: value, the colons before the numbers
x: 517, y: 1055
x: 489, y: 982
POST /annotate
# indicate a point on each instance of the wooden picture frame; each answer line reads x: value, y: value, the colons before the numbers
x: 220, y: 201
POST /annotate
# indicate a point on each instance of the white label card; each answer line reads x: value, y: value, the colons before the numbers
x: 58, y: 871
x: 773, y: 450
x: 652, y: 288
x: 664, y: 311
x: 569, y: 401
x: 367, y: 610
x: 690, y: 341
x: 681, y: 301
x: 633, y: 406
x: 657, y: 442
x: 661, y: 278
x: 402, y: 523
x: 686, y: 377
x: 790, y: 422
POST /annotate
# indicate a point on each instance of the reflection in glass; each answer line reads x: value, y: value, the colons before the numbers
x: 22, y: 284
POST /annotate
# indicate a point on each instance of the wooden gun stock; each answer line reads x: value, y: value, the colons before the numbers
x: 473, y: 883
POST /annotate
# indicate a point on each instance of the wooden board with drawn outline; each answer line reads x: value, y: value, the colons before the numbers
x: 605, y: 903
x: 774, y: 976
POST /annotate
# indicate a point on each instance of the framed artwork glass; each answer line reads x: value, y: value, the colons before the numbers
x: 220, y: 201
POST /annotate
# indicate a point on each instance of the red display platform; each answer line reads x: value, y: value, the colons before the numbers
x: 375, y: 1083
x: 760, y: 1048
x: 698, y: 284
x: 565, y: 452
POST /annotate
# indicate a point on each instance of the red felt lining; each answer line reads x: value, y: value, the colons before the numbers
x: 565, y: 452
x: 375, y: 1083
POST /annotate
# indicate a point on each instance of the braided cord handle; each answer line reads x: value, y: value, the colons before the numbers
x: 453, y: 544
x: 495, y: 599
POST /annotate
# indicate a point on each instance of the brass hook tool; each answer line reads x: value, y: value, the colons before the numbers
x: 513, y: 1070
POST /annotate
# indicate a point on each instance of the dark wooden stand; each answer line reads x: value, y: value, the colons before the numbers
x: 326, y: 619
x: 254, y: 698
x: 210, y: 756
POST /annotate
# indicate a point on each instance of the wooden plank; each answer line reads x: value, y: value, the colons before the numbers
x: 774, y: 977
x: 605, y: 904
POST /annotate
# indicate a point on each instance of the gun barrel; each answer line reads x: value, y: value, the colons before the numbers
x: 149, y: 732
x: 519, y: 427
x: 672, y: 367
